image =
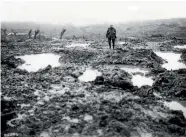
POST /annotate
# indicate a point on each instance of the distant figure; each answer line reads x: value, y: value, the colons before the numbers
x: 111, y: 35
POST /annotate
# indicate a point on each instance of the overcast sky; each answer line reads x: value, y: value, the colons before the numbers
x: 83, y: 13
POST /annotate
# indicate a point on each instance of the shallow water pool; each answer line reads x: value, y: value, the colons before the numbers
x: 172, y: 59
x: 175, y: 105
x: 84, y: 45
x: 89, y: 75
x: 138, y: 75
x: 139, y: 80
x: 121, y: 42
x: 134, y: 69
x: 34, y: 62
x: 180, y: 47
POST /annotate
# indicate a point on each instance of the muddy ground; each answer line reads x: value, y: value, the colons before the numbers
x: 108, y: 106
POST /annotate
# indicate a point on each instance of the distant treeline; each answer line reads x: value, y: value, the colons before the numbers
x: 166, y: 27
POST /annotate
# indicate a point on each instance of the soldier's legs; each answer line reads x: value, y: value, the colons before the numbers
x: 113, y: 43
x: 109, y: 41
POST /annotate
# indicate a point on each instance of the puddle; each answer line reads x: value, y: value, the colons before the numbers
x: 121, y: 42
x: 133, y: 69
x: 139, y: 80
x: 34, y: 62
x: 172, y: 60
x: 17, y: 34
x: 84, y: 45
x: 180, y: 47
x: 138, y: 75
x: 89, y: 75
x: 88, y: 117
x: 175, y: 105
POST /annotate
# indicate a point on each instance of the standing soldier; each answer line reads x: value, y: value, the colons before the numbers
x: 111, y: 35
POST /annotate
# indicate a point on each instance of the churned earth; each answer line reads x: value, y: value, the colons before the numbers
x: 54, y: 88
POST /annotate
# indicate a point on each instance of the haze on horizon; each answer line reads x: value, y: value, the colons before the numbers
x: 85, y: 13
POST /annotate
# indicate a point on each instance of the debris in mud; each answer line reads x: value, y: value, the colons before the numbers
x: 7, y: 113
x: 138, y: 57
x: 12, y: 61
x: 114, y: 77
x: 171, y: 84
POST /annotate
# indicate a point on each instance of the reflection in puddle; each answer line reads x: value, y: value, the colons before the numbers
x: 89, y: 75
x: 180, y: 47
x: 172, y: 60
x: 139, y: 80
x: 133, y: 69
x: 138, y: 75
x: 175, y: 105
x: 84, y: 45
x: 34, y: 62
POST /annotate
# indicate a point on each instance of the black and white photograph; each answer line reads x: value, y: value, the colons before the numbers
x: 90, y: 68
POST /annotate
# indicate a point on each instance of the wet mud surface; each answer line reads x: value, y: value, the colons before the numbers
x: 57, y: 101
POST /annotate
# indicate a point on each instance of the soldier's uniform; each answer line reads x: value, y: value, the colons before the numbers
x: 111, y: 35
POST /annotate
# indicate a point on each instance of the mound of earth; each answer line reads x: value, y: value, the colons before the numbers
x: 137, y: 57
x: 114, y: 77
x: 171, y: 84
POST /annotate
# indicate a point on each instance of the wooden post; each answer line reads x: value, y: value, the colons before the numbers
x: 15, y: 33
x: 36, y: 33
x: 62, y: 32
x: 29, y: 34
